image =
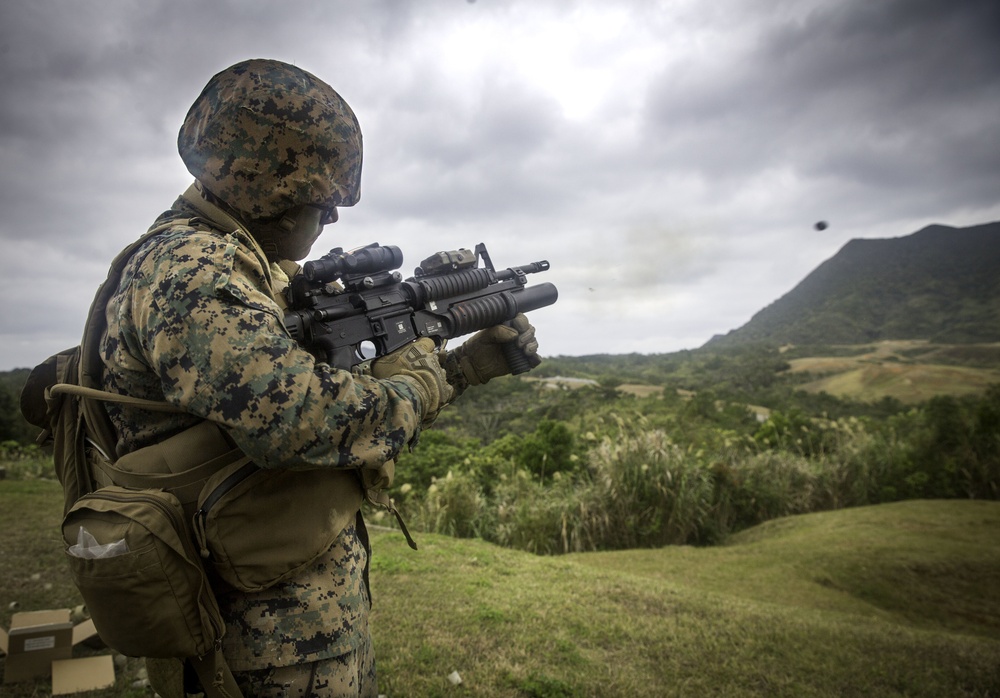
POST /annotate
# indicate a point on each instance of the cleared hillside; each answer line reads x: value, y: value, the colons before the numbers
x: 929, y: 564
x: 908, y: 371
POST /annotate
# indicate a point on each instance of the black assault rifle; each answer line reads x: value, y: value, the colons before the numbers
x: 372, y: 311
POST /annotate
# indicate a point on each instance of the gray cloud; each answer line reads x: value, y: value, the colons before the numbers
x: 669, y: 159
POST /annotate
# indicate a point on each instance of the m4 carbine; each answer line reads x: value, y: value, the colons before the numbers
x: 348, y: 307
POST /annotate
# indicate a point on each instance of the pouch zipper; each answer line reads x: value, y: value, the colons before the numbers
x: 201, y: 516
x: 176, y: 521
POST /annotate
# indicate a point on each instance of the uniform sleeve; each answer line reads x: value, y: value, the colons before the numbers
x: 211, y: 331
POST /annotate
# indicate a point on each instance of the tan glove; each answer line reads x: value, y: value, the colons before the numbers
x: 418, y: 362
x: 482, y: 357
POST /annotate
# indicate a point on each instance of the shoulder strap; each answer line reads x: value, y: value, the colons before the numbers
x: 216, y: 678
x: 212, y: 213
x: 101, y: 431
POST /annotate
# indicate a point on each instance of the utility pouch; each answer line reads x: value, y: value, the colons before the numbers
x: 181, y: 464
x: 258, y: 527
x: 141, y: 577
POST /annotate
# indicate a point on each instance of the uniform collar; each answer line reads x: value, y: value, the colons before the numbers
x: 223, y: 221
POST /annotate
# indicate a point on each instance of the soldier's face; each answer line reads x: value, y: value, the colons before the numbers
x: 301, y: 229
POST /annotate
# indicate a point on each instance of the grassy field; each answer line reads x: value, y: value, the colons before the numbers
x: 909, y: 371
x: 895, y: 600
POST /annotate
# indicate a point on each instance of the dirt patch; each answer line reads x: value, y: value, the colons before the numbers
x: 640, y: 390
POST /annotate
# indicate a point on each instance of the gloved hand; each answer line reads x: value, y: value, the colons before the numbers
x: 481, y: 357
x: 418, y: 362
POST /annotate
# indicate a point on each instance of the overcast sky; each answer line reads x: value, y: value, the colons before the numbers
x: 669, y: 159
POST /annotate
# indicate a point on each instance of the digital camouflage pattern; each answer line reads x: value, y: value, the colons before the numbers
x: 322, y: 616
x: 194, y: 322
x: 351, y: 674
x: 265, y: 136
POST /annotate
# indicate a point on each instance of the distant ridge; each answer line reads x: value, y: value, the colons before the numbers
x: 940, y: 284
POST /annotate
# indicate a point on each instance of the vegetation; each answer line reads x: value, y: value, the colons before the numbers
x: 12, y: 424
x: 636, y: 477
x: 722, y: 448
x: 723, y: 440
x: 733, y: 440
x: 891, y: 600
x: 802, y: 473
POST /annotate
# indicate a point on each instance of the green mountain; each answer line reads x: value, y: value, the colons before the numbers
x: 940, y: 284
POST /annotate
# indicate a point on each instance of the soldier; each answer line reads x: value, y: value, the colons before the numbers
x: 197, y: 322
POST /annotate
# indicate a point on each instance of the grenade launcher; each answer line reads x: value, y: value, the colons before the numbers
x: 372, y: 311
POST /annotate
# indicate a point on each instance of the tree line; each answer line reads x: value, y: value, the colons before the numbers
x: 548, y: 469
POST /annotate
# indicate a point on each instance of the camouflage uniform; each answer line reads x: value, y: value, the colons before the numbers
x: 195, y: 322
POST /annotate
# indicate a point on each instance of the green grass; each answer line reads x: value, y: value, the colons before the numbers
x: 894, y: 600
x: 908, y: 384
x: 925, y: 564
x: 908, y: 371
x: 882, y: 601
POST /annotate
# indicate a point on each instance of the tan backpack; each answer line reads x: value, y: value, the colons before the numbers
x: 190, y: 497
x: 130, y: 548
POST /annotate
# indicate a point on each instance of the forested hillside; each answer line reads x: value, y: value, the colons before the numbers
x: 611, y: 452
x: 939, y: 284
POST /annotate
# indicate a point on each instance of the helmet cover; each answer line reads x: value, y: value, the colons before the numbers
x: 265, y: 136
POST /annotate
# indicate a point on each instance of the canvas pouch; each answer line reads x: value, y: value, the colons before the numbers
x: 258, y: 527
x: 139, y: 573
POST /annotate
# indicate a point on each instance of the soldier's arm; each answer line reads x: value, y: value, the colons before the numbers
x: 215, y: 338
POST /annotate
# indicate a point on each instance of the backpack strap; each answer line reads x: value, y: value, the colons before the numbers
x: 216, y: 678
x: 99, y: 427
x: 105, y: 396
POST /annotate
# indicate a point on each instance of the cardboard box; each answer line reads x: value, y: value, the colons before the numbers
x: 34, y: 641
x: 40, y: 644
x: 84, y: 674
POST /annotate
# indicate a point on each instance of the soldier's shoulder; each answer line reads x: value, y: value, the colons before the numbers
x: 181, y: 255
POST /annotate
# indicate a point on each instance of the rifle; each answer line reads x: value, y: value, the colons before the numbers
x: 372, y: 311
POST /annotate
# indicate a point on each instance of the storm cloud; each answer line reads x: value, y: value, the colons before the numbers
x: 668, y: 158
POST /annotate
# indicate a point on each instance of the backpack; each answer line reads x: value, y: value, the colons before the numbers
x: 128, y: 537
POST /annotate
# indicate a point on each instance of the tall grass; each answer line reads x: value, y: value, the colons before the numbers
x: 637, y: 487
x: 641, y: 489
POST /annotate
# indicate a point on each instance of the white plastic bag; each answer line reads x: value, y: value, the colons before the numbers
x: 87, y: 546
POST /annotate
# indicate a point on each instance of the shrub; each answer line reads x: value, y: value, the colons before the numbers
x: 535, y: 517
x: 25, y: 462
x: 648, y: 491
x: 453, y: 505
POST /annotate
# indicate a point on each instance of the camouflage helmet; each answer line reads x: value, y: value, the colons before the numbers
x: 265, y: 136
